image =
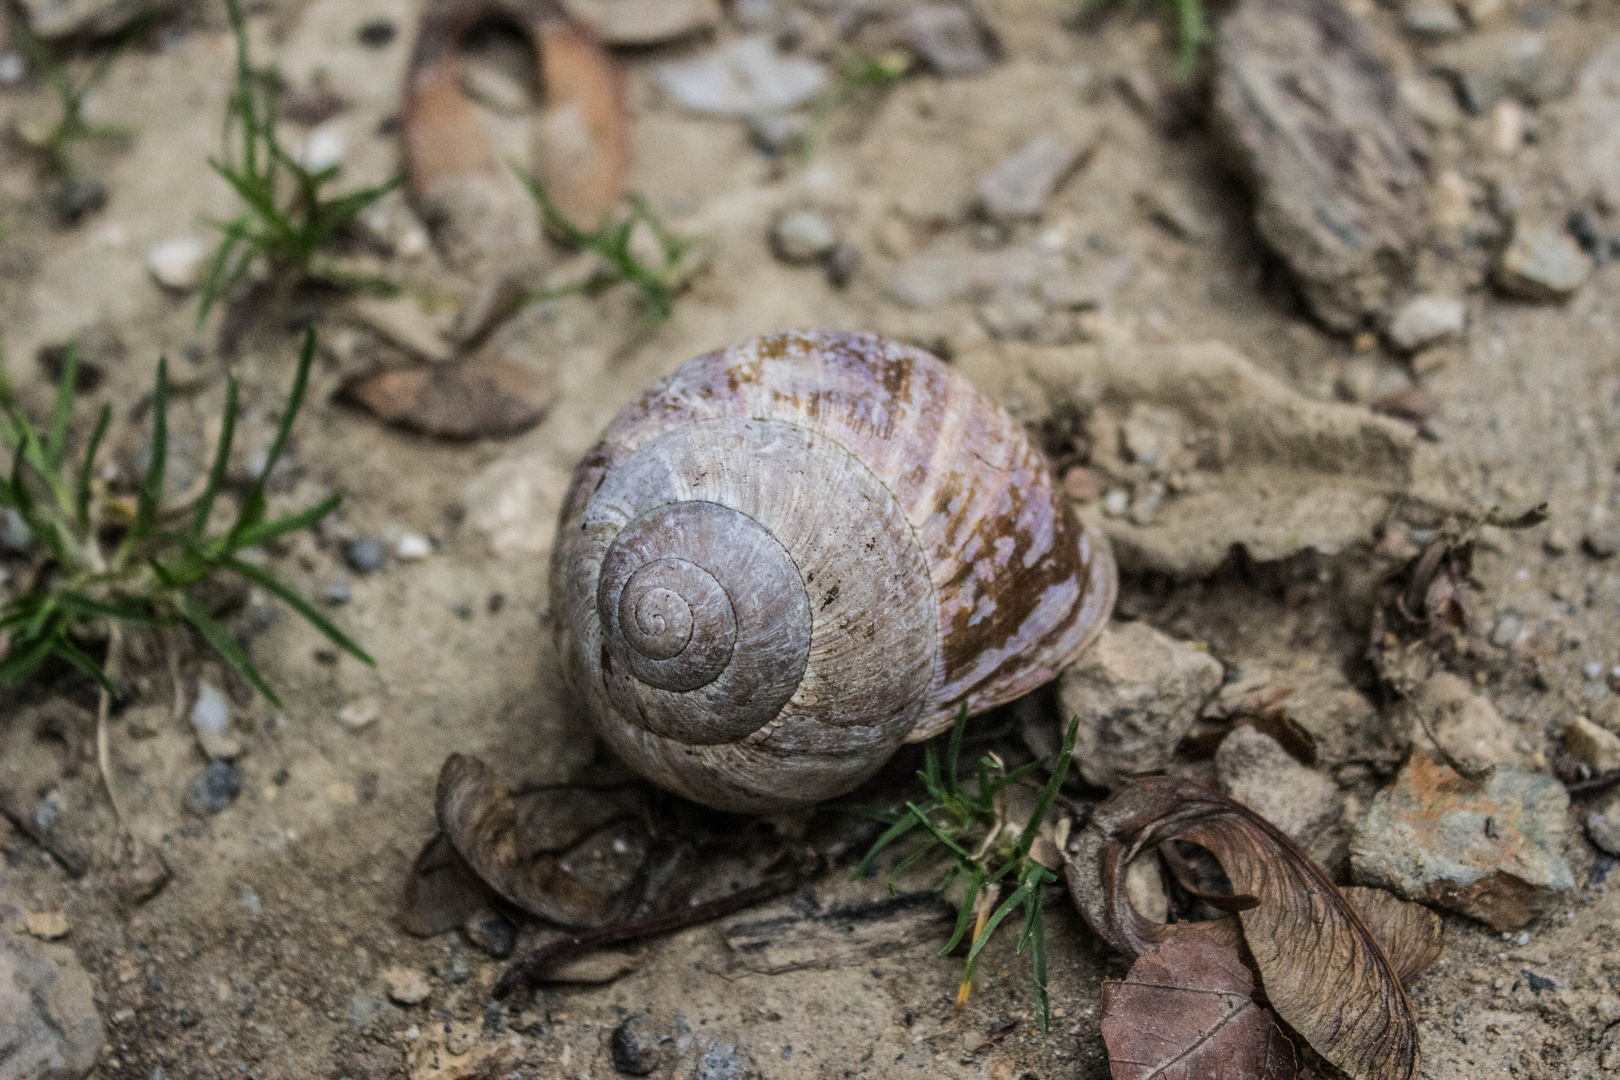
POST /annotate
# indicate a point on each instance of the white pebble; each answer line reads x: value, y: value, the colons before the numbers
x: 412, y: 546
x: 360, y: 713
x: 324, y: 148
x: 178, y: 263
x: 1116, y: 502
x: 212, y: 712
x: 12, y: 68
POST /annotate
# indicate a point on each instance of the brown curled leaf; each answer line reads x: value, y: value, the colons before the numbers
x: 574, y: 856
x: 582, y: 137
x: 1187, y: 1011
x: 1324, y: 972
x: 1410, y: 933
x: 480, y: 396
x: 441, y: 891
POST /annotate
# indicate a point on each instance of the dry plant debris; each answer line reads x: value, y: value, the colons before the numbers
x: 1323, y: 971
x: 56, y: 143
x: 1187, y: 1010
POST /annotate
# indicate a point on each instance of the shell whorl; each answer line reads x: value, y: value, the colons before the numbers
x: 797, y: 553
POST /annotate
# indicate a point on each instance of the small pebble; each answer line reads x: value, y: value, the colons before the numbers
x: 406, y: 986
x: 802, y: 236
x: 775, y: 134
x: 365, y: 555
x: 1427, y: 320
x: 360, y: 713
x: 376, y: 34
x: 1116, y: 502
x: 413, y: 546
x: 1508, y: 628
x: 324, y: 148
x: 1543, y: 265
x: 634, y: 1046
x: 46, y: 925
x: 1432, y: 18
x: 843, y: 263
x: 1601, y: 542
x: 339, y: 592
x: 249, y: 900
x: 1082, y: 484
x: 1556, y: 542
x: 12, y: 68
x: 1604, y: 829
x: 178, y: 263
x: 16, y: 538
x: 76, y: 199
x: 492, y: 932
x: 213, y: 788
x: 1020, y: 185
x: 212, y: 712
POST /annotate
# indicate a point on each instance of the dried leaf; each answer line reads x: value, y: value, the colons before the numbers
x: 582, y: 135
x: 1410, y: 933
x: 480, y: 396
x: 441, y: 892
x: 571, y: 855
x: 1187, y: 1011
x: 1324, y: 972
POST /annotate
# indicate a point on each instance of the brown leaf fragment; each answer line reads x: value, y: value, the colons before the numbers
x: 441, y: 891
x: 1187, y: 1011
x: 1324, y: 972
x: 478, y: 397
x: 571, y: 855
x: 1410, y: 933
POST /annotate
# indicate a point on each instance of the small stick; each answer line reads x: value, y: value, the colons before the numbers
x: 531, y: 968
x: 114, y: 667
x: 1601, y: 782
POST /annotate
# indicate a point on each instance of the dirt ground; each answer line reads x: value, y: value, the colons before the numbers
x: 262, y: 956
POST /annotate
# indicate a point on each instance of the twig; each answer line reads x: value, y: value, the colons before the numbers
x: 1601, y: 782
x: 71, y: 860
x: 113, y: 667
x: 531, y: 969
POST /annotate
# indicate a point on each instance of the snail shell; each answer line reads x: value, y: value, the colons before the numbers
x: 797, y: 553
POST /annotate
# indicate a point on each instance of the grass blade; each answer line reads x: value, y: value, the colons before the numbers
x: 975, y: 883
x: 269, y: 530
x: 62, y: 414
x: 81, y: 494
x: 276, y: 587
x: 890, y: 835
x: 224, y: 644
x: 151, y: 496
x: 1060, y: 769
x: 1001, y: 912
x: 222, y: 460
x: 1035, y: 932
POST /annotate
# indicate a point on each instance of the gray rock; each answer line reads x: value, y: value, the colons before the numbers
x: 723, y: 1061
x: 1604, y: 828
x: 1427, y: 320
x: 1509, y: 625
x: 492, y: 932
x: 950, y: 38
x: 843, y: 263
x: 929, y: 280
x: 1297, y: 81
x: 1139, y: 692
x: 802, y: 236
x: 1432, y: 18
x: 1593, y: 745
x: 748, y: 77
x: 1589, y: 152
x: 1021, y: 184
x: 1491, y: 849
x: 366, y: 555
x: 92, y: 18
x: 340, y: 591
x: 775, y: 134
x: 634, y: 1046
x: 213, y: 789
x: 1256, y: 771
x: 49, y: 1028
x: 77, y: 198
x: 1542, y: 264
x: 1508, y: 63
x: 13, y: 66
x: 16, y: 538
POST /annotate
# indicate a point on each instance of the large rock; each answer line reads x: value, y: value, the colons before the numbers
x: 1137, y: 692
x: 1256, y: 771
x: 1490, y: 848
x: 1333, y: 152
x: 49, y: 1028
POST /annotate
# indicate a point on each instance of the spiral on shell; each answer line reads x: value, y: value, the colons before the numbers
x: 793, y: 555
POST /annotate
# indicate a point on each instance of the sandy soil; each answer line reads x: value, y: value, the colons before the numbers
x: 262, y: 956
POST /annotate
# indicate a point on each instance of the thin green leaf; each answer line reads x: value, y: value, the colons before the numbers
x: 1060, y: 769
x: 965, y: 918
x: 276, y: 587
x: 224, y: 644
x: 222, y: 460
x: 269, y: 530
x: 994, y: 921
x: 1035, y: 924
x: 956, y: 849
x: 17, y: 664
x: 151, y: 494
x: 62, y: 413
x: 894, y: 832
x: 81, y: 494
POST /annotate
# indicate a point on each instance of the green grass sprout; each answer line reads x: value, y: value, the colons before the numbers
x: 611, y: 241
x: 289, y: 217
x: 56, y: 145
x: 857, y: 75
x: 1192, y: 29
x: 104, y: 563
x: 990, y: 854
